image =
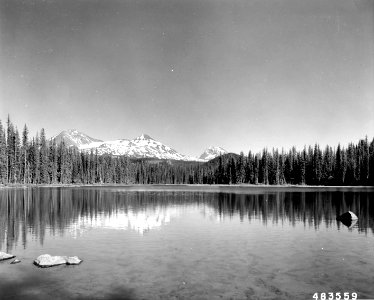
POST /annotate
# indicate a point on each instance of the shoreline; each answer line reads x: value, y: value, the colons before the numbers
x: 189, y: 187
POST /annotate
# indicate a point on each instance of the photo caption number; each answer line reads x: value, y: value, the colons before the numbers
x: 335, y: 296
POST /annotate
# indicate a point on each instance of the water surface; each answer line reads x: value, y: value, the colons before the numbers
x: 187, y: 243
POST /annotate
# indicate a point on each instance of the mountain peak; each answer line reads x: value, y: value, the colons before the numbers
x: 212, y: 152
x: 144, y: 136
x: 72, y: 131
x: 73, y: 137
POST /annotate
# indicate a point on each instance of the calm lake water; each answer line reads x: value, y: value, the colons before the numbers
x: 163, y: 242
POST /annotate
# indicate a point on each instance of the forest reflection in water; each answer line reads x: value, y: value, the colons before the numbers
x: 37, y: 211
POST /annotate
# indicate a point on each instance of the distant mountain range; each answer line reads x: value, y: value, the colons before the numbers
x: 141, y: 147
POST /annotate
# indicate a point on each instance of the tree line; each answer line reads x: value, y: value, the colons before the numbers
x: 39, y: 160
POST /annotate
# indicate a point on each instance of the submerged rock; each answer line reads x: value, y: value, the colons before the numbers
x: 16, y: 261
x: 4, y: 256
x: 46, y: 260
x: 349, y: 219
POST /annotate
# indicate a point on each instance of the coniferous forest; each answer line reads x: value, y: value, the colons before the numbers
x: 38, y: 160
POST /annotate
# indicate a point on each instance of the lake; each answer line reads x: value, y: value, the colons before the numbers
x: 187, y: 242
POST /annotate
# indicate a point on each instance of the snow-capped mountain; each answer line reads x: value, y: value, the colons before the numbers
x: 73, y: 137
x: 140, y: 147
x: 212, y: 152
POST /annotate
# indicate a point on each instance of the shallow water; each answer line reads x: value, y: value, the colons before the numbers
x: 162, y: 242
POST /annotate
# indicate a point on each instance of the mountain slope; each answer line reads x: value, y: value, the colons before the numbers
x: 73, y: 137
x: 212, y: 152
x: 140, y: 147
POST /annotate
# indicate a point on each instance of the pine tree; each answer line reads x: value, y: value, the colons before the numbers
x: 256, y: 168
x: 341, y: 165
x: 371, y: 163
x: 249, y: 170
x: 25, y: 169
x: 10, y: 151
x: 276, y: 167
x: 241, y: 168
x: 44, y: 158
x: 282, y: 165
x: 17, y: 157
x: 232, y: 171
x: 327, y: 165
x: 365, y: 161
x: 3, y: 156
x: 351, y: 165
x: 303, y: 163
x: 265, y: 167
x: 53, y: 162
x: 317, y: 165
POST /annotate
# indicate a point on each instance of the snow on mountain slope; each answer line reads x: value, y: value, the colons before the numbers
x: 212, y: 152
x: 73, y: 137
x: 141, y: 147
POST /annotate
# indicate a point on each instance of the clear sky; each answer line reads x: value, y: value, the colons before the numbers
x: 240, y: 74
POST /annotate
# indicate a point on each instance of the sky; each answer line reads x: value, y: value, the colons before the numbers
x: 240, y: 74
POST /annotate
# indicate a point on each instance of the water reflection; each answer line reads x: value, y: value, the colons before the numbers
x: 139, y: 221
x: 57, y: 210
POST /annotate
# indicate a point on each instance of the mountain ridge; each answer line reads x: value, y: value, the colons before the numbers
x: 143, y: 146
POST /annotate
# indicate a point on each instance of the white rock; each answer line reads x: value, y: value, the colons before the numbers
x: 73, y: 260
x: 353, y: 216
x: 46, y: 260
x: 4, y: 256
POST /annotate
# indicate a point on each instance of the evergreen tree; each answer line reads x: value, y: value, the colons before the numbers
x: 53, y: 162
x: 371, y: 163
x: 241, y: 168
x: 3, y: 156
x: 265, y: 167
x: 303, y: 166
x: 340, y: 166
x: 317, y: 164
x: 282, y: 166
x: 25, y: 168
x: 10, y: 151
x: 44, y: 158
x: 256, y: 168
x: 250, y: 168
x: 17, y: 157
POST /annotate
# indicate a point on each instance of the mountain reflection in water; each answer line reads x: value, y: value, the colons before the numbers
x: 58, y: 210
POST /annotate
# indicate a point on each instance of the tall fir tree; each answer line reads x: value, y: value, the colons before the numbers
x: 25, y: 168
x: 3, y: 156
x: 44, y: 158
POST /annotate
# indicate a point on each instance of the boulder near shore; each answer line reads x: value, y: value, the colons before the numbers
x: 4, y: 256
x: 46, y: 260
x: 349, y: 219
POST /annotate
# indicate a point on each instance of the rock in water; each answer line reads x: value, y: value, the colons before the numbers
x: 348, y: 218
x: 16, y: 261
x: 353, y: 216
x: 4, y: 256
x: 46, y: 260
x: 73, y: 260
